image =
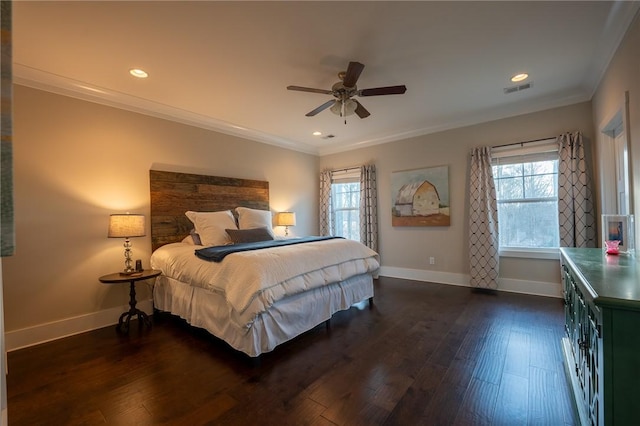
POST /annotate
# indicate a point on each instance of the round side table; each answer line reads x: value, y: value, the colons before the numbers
x: 120, y: 278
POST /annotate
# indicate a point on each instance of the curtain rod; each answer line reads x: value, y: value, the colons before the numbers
x: 346, y: 170
x: 524, y: 142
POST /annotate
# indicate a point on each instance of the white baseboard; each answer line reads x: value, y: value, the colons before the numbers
x: 42, y: 333
x: 537, y: 288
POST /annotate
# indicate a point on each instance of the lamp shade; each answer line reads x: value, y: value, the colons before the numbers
x: 286, y: 219
x: 126, y: 225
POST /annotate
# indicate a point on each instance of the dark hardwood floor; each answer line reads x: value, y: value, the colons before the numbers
x: 426, y: 354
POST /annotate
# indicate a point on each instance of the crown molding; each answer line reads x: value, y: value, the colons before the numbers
x: 42, y: 80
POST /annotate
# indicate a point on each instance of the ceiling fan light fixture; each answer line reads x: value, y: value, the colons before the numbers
x: 349, y: 107
x: 336, y: 108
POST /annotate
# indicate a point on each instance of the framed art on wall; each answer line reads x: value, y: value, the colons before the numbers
x: 420, y: 197
x: 618, y: 228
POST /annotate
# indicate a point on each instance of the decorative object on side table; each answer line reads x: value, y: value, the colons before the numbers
x: 119, y: 278
x: 286, y: 219
x: 612, y: 246
x: 126, y: 226
x: 619, y: 228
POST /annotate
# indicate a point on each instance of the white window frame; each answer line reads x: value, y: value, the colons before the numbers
x: 341, y: 177
x: 523, y: 149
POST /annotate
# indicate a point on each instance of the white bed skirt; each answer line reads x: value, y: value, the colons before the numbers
x: 285, y: 320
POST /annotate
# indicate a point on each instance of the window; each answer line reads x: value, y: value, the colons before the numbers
x: 345, y: 197
x: 527, y: 194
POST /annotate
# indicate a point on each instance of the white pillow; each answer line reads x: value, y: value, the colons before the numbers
x: 212, y: 226
x: 252, y: 218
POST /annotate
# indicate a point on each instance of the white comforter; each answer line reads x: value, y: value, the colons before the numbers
x: 252, y: 281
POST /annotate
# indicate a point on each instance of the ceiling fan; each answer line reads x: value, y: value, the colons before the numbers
x: 344, y: 90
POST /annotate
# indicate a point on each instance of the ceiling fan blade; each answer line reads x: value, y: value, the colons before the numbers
x: 360, y: 110
x: 309, y: 89
x: 353, y: 73
x: 389, y: 90
x: 320, y: 108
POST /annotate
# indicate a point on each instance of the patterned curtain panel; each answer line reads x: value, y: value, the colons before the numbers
x: 483, y: 221
x: 369, y: 207
x: 575, y: 197
x: 7, y: 235
x: 326, y: 225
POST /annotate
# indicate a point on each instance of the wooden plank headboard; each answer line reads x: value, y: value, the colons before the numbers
x: 172, y: 194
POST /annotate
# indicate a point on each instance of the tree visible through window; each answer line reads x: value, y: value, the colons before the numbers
x: 346, y: 209
x: 527, y: 195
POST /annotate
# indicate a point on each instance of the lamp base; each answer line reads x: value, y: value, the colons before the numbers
x: 128, y: 264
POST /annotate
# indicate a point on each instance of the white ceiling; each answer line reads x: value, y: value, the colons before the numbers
x: 226, y: 65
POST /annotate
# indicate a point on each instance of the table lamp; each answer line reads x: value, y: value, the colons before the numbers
x: 126, y: 226
x: 286, y: 219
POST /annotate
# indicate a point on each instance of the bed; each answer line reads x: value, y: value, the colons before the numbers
x: 254, y: 299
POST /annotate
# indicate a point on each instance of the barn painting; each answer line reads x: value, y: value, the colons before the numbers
x: 420, y: 197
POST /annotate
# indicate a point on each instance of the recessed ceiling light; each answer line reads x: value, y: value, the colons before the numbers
x: 519, y: 77
x: 317, y: 133
x: 136, y: 72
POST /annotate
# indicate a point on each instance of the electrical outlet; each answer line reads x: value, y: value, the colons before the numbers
x: 432, y: 260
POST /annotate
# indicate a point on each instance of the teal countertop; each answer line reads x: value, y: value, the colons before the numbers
x: 612, y: 280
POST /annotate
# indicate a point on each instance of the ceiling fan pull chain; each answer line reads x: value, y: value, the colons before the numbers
x: 344, y: 112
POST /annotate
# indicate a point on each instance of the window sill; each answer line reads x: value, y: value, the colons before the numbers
x: 531, y: 253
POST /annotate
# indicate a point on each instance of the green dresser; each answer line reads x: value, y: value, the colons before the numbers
x: 602, y: 343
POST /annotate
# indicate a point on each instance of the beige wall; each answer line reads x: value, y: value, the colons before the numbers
x: 76, y: 162
x: 623, y: 75
x: 411, y: 247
